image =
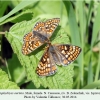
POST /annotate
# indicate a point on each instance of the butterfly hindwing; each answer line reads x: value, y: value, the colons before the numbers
x: 46, y: 66
x: 62, y: 54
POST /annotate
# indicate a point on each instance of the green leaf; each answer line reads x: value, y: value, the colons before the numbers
x: 20, y: 6
x: 62, y: 79
x: 90, y: 72
x: 5, y: 83
x: 96, y: 27
x: 25, y: 15
x: 75, y: 34
x: 74, y: 31
x: 16, y: 71
x: 3, y: 6
x: 92, y: 85
x: 97, y: 69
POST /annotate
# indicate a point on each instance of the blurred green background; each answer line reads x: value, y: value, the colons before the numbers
x: 80, y: 20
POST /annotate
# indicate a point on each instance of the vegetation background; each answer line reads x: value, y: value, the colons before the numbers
x: 79, y: 25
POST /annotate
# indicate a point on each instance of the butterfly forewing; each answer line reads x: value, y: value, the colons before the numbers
x: 48, y: 27
x: 31, y: 42
x: 46, y: 66
x: 51, y: 25
x: 41, y: 33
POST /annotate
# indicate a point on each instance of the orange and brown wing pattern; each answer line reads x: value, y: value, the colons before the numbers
x: 31, y: 42
x: 48, y: 27
x: 41, y: 33
x: 68, y: 53
x: 46, y: 66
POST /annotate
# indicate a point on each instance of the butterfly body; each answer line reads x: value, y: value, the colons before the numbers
x: 41, y: 37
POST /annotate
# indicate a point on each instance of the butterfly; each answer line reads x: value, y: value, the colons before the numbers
x: 60, y: 54
x: 41, y: 33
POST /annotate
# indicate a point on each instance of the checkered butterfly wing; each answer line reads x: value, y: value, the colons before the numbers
x: 41, y: 33
x: 31, y: 42
x: 46, y: 66
x: 62, y: 54
x: 67, y: 53
x: 46, y: 28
